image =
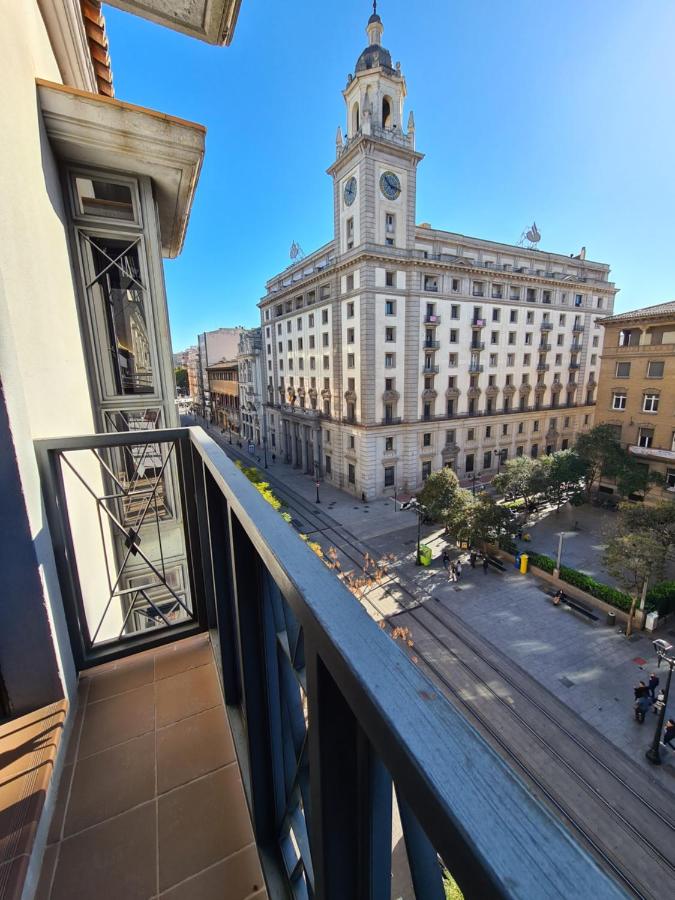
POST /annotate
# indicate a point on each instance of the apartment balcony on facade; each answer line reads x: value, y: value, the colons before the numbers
x: 543, y: 367
x: 477, y: 322
x: 576, y: 347
x: 477, y: 345
x: 546, y: 325
x: 432, y: 319
x: 544, y: 347
x: 577, y: 327
x: 475, y: 368
x: 428, y: 344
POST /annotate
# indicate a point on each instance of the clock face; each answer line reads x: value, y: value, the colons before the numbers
x: 350, y: 191
x: 390, y: 185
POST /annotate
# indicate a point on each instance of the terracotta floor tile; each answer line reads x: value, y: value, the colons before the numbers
x: 12, y: 877
x: 234, y: 878
x: 110, y: 722
x: 193, y: 747
x: 30, y: 739
x: 120, y: 676
x: 186, y: 694
x: 111, y: 782
x: 183, y: 655
x: 112, y: 861
x: 200, y: 824
x: 45, y: 883
x: 21, y: 800
x: 56, y: 824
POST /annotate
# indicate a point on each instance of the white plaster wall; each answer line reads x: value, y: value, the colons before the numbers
x: 41, y: 358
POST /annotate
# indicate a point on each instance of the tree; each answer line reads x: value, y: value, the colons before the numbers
x: 633, y: 477
x: 487, y: 521
x: 657, y: 520
x: 632, y: 557
x: 561, y: 473
x: 457, y: 517
x: 438, y: 493
x: 521, y: 477
x: 600, y: 452
x: 181, y: 379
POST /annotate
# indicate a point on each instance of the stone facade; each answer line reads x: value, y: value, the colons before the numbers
x: 249, y: 359
x: 212, y: 347
x: 636, y: 385
x: 399, y: 348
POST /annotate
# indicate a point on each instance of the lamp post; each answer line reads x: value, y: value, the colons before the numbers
x: 662, y: 648
x: 498, y: 454
x: 474, y: 479
x: 317, y: 482
x: 420, y: 509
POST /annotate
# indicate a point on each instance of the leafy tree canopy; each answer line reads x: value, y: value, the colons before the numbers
x: 438, y: 493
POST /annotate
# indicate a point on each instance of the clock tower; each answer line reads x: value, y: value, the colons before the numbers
x: 374, y: 173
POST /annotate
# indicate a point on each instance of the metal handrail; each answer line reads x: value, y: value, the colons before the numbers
x: 286, y: 628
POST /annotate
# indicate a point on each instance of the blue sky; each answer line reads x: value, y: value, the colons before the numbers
x: 554, y: 110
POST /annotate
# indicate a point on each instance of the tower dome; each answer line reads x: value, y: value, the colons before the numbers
x: 375, y: 54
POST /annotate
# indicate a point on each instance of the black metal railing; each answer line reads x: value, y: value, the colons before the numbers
x: 334, y: 724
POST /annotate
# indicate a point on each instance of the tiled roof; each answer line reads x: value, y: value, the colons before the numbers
x: 94, y: 26
x: 647, y: 312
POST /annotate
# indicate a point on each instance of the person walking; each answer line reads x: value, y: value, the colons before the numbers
x: 485, y: 565
x: 453, y: 572
x: 446, y: 560
x: 458, y: 569
x: 640, y: 690
x: 472, y: 559
x: 652, y: 684
x: 659, y: 703
x: 641, y: 707
x: 669, y: 734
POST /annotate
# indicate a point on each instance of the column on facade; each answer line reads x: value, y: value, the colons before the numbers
x: 316, y: 450
x: 294, y: 445
x: 303, y: 448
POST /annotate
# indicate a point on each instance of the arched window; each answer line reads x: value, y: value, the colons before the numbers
x: 386, y: 112
x: 356, y: 119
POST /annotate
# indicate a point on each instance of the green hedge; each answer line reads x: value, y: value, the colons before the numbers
x: 541, y: 562
x: 507, y: 544
x: 603, y: 592
x: 662, y: 597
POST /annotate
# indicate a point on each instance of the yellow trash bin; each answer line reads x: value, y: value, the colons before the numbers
x: 524, y: 559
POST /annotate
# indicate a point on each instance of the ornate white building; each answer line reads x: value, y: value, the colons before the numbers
x: 399, y: 348
x: 251, y: 385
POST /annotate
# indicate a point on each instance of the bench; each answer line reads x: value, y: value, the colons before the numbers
x: 574, y: 605
x: 496, y: 563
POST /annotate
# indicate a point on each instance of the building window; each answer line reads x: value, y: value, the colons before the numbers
x: 426, y: 470
x: 351, y: 473
x: 452, y: 360
x: 389, y: 278
x: 655, y: 369
x: 534, y: 452
x: 389, y: 443
x: 324, y: 317
x: 350, y: 335
x: 487, y: 459
x: 389, y: 476
x: 325, y: 339
x: 618, y: 400
x: 531, y: 295
x: 390, y: 307
x: 326, y: 362
x: 645, y: 437
x: 389, y: 228
x: 426, y: 439
x: 389, y: 335
x: 454, y: 311
x: 389, y: 360
x: 350, y: 310
x: 350, y: 360
x: 650, y: 403
x: 578, y: 299
x: 470, y: 434
x: 493, y: 359
x: 622, y: 370
x: 455, y: 285
x: 670, y: 479
x: 468, y: 463
x: 350, y: 234
x: 513, y: 316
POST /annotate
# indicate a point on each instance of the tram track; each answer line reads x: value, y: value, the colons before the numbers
x: 640, y: 850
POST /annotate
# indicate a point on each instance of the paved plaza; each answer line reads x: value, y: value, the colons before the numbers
x: 589, y: 666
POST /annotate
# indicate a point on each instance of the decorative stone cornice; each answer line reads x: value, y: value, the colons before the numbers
x: 429, y: 394
x: 509, y: 390
x: 452, y: 393
x: 556, y: 387
x: 525, y: 389
x: 350, y: 396
x: 491, y: 390
x: 473, y: 393
x: 390, y: 396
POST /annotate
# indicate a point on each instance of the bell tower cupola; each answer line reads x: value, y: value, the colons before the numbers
x: 376, y: 160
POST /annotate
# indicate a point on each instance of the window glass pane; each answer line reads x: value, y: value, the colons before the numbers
x: 104, y: 199
x: 117, y: 308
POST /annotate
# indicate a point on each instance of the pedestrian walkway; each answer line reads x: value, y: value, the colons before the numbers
x: 590, y: 667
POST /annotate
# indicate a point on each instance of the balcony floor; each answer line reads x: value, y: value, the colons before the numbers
x: 151, y: 802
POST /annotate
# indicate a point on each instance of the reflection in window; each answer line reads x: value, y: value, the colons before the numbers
x: 104, y: 199
x: 118, y: 313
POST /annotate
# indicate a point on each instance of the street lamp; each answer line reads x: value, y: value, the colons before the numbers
x: 317, y: 482
x: 421, y: 511
x: 662, y: 647
x: 498, y: 454
x: 474, y: 479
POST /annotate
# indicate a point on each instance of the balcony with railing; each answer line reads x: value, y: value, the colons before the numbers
x: 475, y: 368
x: 432, y: 319
x: 577, y: 327
x: 430, y: 345
x: 430, y: 370
x: 546, y: 326
x: 477, y: 345
x: 244, y: 728
x: 478, y: 323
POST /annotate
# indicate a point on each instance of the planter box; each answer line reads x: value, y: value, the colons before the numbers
x: 574, y: 592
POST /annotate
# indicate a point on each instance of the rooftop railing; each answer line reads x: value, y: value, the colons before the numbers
x: 334, y: 724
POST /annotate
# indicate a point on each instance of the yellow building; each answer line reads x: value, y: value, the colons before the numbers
x: 224, y: 390
x: 636, y: 389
